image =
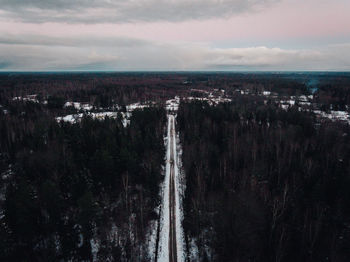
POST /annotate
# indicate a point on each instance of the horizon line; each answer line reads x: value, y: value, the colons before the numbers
x: 174, y: 71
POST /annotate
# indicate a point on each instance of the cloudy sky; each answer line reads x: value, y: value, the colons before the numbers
x: 123, y: 35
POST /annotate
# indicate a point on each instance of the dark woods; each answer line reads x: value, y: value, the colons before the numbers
x: 264, y: 184
x: 75, y: 182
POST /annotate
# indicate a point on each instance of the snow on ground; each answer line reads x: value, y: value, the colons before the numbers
x: 4, y: 110
x: 163, y: 249
x: 79, y: 106
x: 74, y: 118
x: 151, y: 238
x: 334, y: 115
x: 126, y: 118
x: 286, y: 104
x: 132, y: 107
x: 179, y: 194
x: 172, y: 104
x: 193, y: 251
x: 244, y: 92
x: 28, y: 98
x: 95, y: 246
x: 77, y: 117
x: 302, y: 101
x: 103, y: 115
x: 211, y: 101
x: 88, y: 107
x: 303, y: 98
x: 199, y: 91
x: 163, y: 252
x: 70, y: 118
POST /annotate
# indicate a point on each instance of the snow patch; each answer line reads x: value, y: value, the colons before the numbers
x: 172, y: 104
x: 151, y: 238
x: 75, y: 118
x: 28, y: 98
x: 135, y: 106
x: 95, y: 246
x: 334, y: 115
x: 211, y: 101
x: 79, y: 106
x: 193, y: 251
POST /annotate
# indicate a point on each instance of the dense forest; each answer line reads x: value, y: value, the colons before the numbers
x: 264, y: 184
x: 265, y: 157
x: 76, y: 183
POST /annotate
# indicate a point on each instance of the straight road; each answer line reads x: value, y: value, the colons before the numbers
x: 172, y: 200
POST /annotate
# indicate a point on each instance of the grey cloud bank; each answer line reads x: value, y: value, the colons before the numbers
x: 43, y: 40
x: 124, y: 11
x: 89, y: 53
x: 149, y: 35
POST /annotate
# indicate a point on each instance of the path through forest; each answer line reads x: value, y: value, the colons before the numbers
x: 170, y: 237
x: 172, y: 202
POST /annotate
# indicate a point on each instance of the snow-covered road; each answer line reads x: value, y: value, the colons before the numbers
x: 171, y: 241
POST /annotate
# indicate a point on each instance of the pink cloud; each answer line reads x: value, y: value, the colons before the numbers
x: 287, y: 19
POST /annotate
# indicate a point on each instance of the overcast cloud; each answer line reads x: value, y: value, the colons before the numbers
x: 123, y: 11
x: 174, y: 35
x: 77, y: 41
x: 47, y: 53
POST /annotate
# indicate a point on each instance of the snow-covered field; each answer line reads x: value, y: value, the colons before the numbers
x: 74, y: 118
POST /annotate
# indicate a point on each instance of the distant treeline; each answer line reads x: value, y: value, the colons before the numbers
x: 107, y: 89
